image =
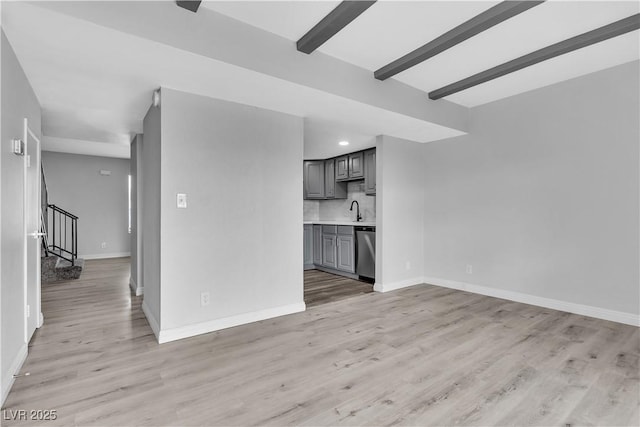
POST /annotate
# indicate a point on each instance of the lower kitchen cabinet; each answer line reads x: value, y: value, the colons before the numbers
x: 308, y: 246
x: 331, y: 247
x: 317, y: 244
x: 329, y: 253
x: 346, y: 253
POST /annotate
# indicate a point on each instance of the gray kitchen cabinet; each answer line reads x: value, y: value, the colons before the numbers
x: 333, y: 189
x: 346, y: 253
x: 342, y: 168
x: 350, y: 167
x: 356, y: 165
x: 317, y: 245
x: 329, y: 179
x: 370, y: 172
x: 338, y: 248
x: 308, y: 246
x: 314, y: 179
x: 329, y: 256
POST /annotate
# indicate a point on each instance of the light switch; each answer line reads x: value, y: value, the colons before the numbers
x: 181, y: 200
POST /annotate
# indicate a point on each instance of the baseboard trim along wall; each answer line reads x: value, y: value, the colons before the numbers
x: 179, y: 333
x: 103, y: 256
x: 137, y: 290
x: 388, y: 287
x: 570, y: 307
x: 14, y: 369
x: 153, y: 322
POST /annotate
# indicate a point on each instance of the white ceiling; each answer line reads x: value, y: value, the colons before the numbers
x: 95, y: 83
x: 391, y: 29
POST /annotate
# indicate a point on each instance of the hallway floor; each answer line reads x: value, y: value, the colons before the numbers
x: 321, y: 287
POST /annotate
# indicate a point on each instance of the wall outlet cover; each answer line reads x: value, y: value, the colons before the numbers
x: 204, y: 299
x: 181, y: 200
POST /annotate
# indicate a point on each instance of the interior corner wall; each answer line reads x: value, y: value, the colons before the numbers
x: 150, y: 214
x: 542, y: 197
x: 135, y: 280
x: 240, y: 237
x: 399, y: 209
x: 18, y: 101
x: 101, y: 202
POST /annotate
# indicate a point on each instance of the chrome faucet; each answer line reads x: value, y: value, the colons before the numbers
x: 358, y: 216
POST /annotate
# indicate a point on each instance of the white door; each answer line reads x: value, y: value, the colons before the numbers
x: 32, y: 225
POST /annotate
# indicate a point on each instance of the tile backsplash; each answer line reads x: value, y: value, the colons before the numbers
x: 311, y: 210
x: 327, y: 210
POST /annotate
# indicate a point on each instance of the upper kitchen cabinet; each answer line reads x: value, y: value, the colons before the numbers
x: 370, y: 172
x: 350, y: 167
x: 342, y: 168
x: 356, y: 165
x: 314, y: 181
x: 333, y: 189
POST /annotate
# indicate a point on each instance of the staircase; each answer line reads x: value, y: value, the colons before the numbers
x: 60, y: 241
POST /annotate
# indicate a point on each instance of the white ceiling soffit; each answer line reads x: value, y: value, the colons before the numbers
x: 391, y: 29
x: 94, y: 65
x: 88, y: 148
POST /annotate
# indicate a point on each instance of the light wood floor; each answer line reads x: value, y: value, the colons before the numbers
x: 418, y: 356
x: 321, y: 288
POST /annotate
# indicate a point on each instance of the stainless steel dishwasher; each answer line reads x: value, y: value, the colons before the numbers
x: 366, y: 253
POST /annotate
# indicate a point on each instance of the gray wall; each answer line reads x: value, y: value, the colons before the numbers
x: 18, y: 101
x: 240, y: 239
x: 101, y: 202
x: 400, y: 210
x: 541, y: 197
x: 151, y: 170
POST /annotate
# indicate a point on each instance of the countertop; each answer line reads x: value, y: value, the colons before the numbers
x: 343, y: 222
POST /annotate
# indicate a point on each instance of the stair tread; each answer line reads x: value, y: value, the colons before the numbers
x: 63, y: 263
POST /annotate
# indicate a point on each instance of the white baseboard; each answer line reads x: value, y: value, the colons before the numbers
x: 387, y: 287
x: 174, y: 334
x: 104, y: 256
x: 8, y: 377
x: 153, y: 322
x: 137, y: 290
x: 570, y: 307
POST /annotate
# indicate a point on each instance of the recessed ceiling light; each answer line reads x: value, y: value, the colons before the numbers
x: 343, y: 143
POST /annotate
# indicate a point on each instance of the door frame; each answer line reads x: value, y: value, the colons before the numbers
x: 30, y: 135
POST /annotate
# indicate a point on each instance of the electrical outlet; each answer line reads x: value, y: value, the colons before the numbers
x: 204, y: 299
x: 469, y: 269
x: 407, y: 265
x: 103, y: 245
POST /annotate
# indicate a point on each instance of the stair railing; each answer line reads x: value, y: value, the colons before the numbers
x: 63, y: 234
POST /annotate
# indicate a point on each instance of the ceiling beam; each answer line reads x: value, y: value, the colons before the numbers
x: 614, y: 29
x: 191, y: 5
x: 335, y: 21
x: 479, y: 23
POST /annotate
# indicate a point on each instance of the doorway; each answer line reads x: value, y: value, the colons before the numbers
x: 32, y: 232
